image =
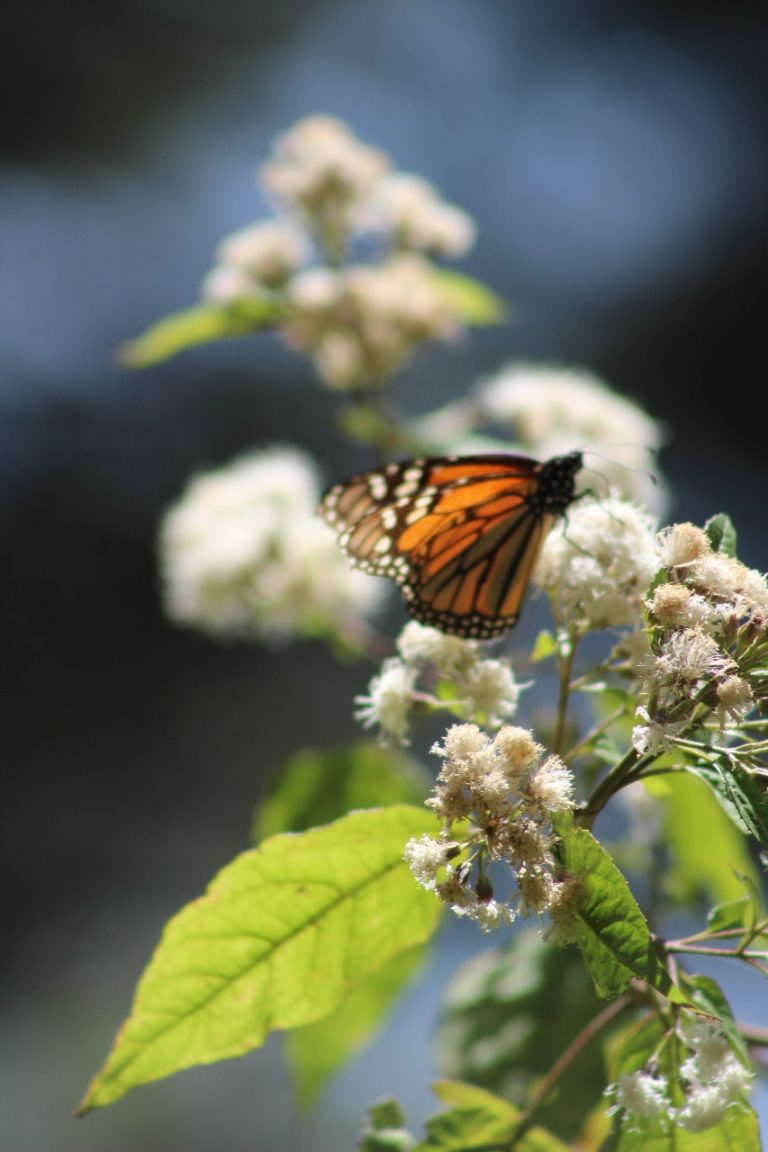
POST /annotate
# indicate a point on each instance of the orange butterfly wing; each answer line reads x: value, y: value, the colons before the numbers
x: 460, y: 535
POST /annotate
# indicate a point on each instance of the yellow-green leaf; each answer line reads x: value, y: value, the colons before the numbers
x: 475, y: 303
x: 200, y: 325
x: 282, y: 936
x: 318, y: 1050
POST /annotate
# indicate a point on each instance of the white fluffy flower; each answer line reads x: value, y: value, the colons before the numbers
x: 598, y: 561
x: 268, y: 252
x: 320, y: 170
x: 389, y: 700
x: 425, y: 857
x: 418, y: 644
x: 715, y: 1078
x: 552, y: 410
x: 490, y: 690
x: 226, y: 284
x: 410, y: 209
x: 243, y: 554
x: 550, y: 786
x: 644, y: 1098
x: 364, y: 322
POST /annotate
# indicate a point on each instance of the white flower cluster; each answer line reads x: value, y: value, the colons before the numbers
x: 709, y: 626
x: 713, y: 1078
x: 243, y: 553
x: 597, y: 562
x: 485, y: 689
x: 359, y: 321
x: 507, y: 793
x: 363, y: 322
x: 551, y: 410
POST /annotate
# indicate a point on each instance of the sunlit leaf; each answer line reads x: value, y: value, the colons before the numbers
x: 544, y: 646
x: 743, y: 795
x: 318, y: 1050
x: 708, y: 851
x: 200, y: 325
x: 611, y: 930
x: 475, y: 303
x: 282, y: 936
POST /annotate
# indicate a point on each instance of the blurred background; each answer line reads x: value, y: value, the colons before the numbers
x: 614, y: 157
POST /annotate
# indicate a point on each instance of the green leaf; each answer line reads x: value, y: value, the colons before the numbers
x: 318, y: 1050
x: 732, y: 914
x: 508, y: 1012
x: 611, y: 930
x: 200, y: 325
x: 544, y: 646
x: 737, y: 1132
x: 721, y: 534
x: 282, y: 936
x: 477, y: 1119
x: 384, y: 1130
x: 708, y: 851
x: 743, y: 795
x: 318, y: 785
x: 475, y: 303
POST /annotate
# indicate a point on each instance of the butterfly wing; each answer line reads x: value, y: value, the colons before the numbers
x: 459, y: 535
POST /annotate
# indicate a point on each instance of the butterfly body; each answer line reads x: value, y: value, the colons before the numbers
x: 459, y: 534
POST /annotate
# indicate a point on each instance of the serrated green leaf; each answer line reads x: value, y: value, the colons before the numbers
x: 545, y: 645
x: 742, y: 794
x: 318, y: 785
x: 721, y: 534
x: 200, y: 325
x: 282, y: 936
x: 707, y: 850
x: 318, y: 1050
x: 475, y: 303
x: 506, y: 1015
x: 611, y: 930
x: 384, y: 1129
x: 477, y: 1119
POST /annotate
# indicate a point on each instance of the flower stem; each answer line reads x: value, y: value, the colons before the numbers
x: 574, y: 1049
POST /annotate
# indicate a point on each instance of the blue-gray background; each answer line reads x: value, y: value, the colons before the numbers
x: 613, y: 155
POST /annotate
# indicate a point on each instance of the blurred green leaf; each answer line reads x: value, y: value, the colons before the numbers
x: 282, y: 936
x: 318, y: 1050
x: 611, y: 930
x: 200, y: 325
x: 476, y: 1119
x: 742, y: 794
x: 707, y: 849
x: 721, y: 534
x: 732, y: 914
x: 475, y: 303
x: 318, y: 785
x: 509, y: 1012
x: 384, y: 1129
x: 544, y: 646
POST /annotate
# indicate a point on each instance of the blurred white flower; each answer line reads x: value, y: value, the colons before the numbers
x: 322, y: 172
x: 551, y: 410
x: 411, y: 211
x: 226, y: 284
x: 243, y: 554
x: 269, y: 252
x: 362, y: 323
x: 596, y: 563
x: 644, y: 1099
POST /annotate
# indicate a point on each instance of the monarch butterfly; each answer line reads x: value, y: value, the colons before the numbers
x: 459, y: 534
